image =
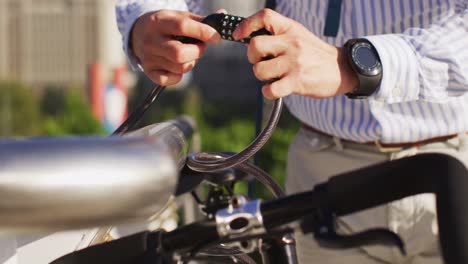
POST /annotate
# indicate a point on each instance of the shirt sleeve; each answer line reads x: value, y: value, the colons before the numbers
x: 128, y: 11
x: 425, y: 64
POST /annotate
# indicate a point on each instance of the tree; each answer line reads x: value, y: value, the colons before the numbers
x: 74, y: 117
x: 19, y: 110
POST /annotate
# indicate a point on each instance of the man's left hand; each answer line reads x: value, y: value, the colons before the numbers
x: 296, y: 60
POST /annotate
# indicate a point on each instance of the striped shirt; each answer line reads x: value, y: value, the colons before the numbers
x: 423, y: 47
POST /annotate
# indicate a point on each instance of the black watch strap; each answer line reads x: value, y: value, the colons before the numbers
x: 367, y: 86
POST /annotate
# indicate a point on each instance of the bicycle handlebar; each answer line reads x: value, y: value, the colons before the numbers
x: 344, y: 194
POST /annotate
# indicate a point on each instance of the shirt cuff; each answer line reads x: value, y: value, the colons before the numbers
x: 400, y: 77
x: 133, y: 13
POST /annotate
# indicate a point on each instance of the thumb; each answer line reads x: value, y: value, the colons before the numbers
x: 270, y: 20
x: 221, y: 11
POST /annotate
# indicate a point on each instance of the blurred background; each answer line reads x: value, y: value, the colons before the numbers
x: 63, y: 72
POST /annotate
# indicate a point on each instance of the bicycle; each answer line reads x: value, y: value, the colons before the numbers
x: 316, y: 211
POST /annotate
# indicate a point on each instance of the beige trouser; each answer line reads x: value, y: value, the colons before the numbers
x: 313, y: 158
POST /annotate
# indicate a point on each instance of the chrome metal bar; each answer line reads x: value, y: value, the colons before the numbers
x: 68, y: 183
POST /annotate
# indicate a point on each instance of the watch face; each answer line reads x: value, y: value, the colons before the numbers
x: 365, y: 58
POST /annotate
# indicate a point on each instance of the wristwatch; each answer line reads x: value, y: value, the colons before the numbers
x: 364, y: 60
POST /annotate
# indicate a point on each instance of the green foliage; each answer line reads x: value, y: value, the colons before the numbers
x: 59, y: 112
x: 68, y: 114
x: 53, y: 101
x: 19, y: 110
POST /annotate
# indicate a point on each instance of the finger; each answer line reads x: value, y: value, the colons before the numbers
x: 271, y: 69
x: 188, y: 26
x: 163, y: 77
x: 163, y: 63
x: 278, y: 89
x: 262, y: 47
x: 179, y: 52
x: 266, y: 18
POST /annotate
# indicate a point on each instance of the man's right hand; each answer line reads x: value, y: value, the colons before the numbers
x: 163, y: 58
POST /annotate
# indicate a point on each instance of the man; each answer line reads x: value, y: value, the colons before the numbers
x: 398, y: 87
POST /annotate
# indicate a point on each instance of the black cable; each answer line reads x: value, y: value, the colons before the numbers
x: 258, y: 130
x: 138, y: 113
x: 208, y: 162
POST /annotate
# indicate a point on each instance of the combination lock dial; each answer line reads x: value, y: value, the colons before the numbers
x: 229, y: 24
x: 225, y: 25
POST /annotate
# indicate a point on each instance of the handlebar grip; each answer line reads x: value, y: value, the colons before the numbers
x: 382, y: 183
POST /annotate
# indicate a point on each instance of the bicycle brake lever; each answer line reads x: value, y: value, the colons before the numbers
x: 225, y: 25
x: 376, y: 236
x: 323, y: 224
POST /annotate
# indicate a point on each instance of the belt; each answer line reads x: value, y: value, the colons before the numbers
x: 385, y: 147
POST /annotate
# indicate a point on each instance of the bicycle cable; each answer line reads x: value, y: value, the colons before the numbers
x: 133, y: 119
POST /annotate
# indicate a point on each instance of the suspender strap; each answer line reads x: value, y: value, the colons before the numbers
x: 270, y: 4
x: 259, y: 116
x: 332, y: 22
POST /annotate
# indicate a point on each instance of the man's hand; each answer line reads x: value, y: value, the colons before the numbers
x: 297, y: 60
x: 163, y: 58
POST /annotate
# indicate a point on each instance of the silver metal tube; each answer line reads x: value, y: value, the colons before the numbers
x: 68, y: 183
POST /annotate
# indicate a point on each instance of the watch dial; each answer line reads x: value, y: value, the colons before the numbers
x: 366, y: 57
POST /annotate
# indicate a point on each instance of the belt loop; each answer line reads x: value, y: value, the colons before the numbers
x: 386, y: 149
x: 338, y: 144
x: 462, y: 141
